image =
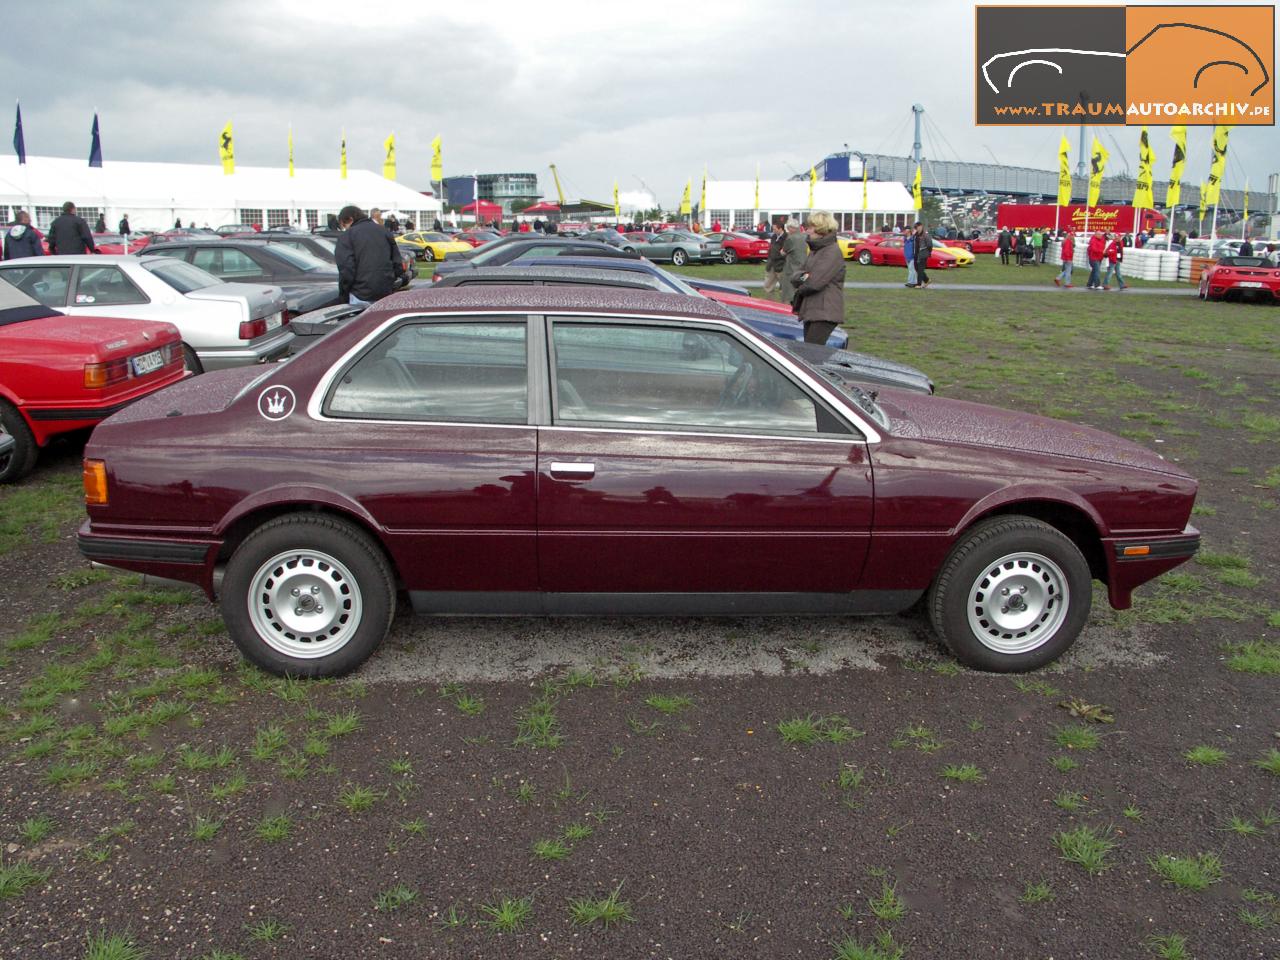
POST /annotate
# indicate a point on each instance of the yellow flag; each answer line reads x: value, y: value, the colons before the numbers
x: 702, y: 202
x: 227, y: 150
x: 757, y: 206
x: 1204, y: 200
x: 917, y: 194
x: 342, y: 158
x: 1179, y: 135
x: 813, y: 179
x: 864, y: 188
x: 1064, y: 173
x: 437, y: 161
x: 617, y: 207
x: 291, y: 150
x: 1218, y: 166
x: 1097, y: 166
x: 686, y: 207
x: 1143, y: 197
x: 389, y: 161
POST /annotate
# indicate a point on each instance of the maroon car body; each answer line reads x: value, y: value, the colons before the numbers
x: 556, y: 490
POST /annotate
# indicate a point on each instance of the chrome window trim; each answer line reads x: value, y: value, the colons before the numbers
x: 850, y: 440
x: 870, y: 433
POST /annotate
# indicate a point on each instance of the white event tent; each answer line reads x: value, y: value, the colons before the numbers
x: 733, y: 202
x: 155, y: 195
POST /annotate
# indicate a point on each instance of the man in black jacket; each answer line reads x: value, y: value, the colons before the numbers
x: 773, y: 263
x: 69, y: 234
x: 365, y: 269
x: 21, y: 239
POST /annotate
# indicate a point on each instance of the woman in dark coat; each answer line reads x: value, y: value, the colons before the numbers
x: 820, y: 282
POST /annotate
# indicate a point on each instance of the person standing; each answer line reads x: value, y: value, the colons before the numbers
x: 924, y: 247
x: 123, y: 228
x: 1246, y: 248
x: 1063, y: 279
x: 774, y: 261
x: 22, y: 239
x: 1004, y: 243
x: 1115, y: 255
x: 365, y: 270
x: 1096, y: 251
x: 909, y: 257
x: 820, y: 282
x: 1037, y: 246
x: 794, y: 252
x: 101, y: 225
x: 69, y: 234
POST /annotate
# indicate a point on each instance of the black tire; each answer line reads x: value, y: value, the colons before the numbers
x: 960, y: 589
x: 190, y: 360
x: 17, y: 463
x: 429, y: 255
x: 730, y: 257
x: 628, y: 249
x: 371, y: 586
x: 678, y: 257
x: 864, y: 257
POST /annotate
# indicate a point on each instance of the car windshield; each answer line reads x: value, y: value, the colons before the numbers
x: 325, y: 242
x: 435, y: 237
x: 180, y: 275
x: 299, y: 258
x: 1243, y: 262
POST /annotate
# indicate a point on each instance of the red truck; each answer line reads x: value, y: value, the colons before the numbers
x: 1029, y: 216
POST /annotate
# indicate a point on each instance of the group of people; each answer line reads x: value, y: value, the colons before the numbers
x: 1105, y: 253
x: 68, y: 234
x: 807, y: 269
x: 1026, y: 246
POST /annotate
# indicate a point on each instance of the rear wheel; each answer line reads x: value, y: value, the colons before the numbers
x: 190, y: 360
x: 864, y: 258
x: 429, y: 255
x: 1013, y: 595
x: 308, y: 596
x: 17, y: 463
x: 679, y: 257
x: 729, y: 256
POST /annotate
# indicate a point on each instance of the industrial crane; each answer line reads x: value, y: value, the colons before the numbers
x: 559, y: 190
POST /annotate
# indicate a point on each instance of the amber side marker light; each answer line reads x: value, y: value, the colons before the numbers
x: 1128, y: 551
x: 95, y: 483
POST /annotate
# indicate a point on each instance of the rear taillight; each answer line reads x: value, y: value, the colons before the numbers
x: 95, y: 483
x: 97, y: 375
x: 253, y: 328
x: 287, y: 316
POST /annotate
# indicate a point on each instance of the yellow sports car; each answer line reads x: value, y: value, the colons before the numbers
x: 963, y: 257
x: 432, y: 246
x: 847, y: 242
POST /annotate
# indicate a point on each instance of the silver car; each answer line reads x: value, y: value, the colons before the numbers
x: 222, y: 324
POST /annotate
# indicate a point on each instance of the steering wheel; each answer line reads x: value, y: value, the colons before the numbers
x: 736, y: 389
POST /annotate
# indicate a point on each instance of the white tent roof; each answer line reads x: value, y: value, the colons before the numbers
x: 784, y: 195
x: 161, y: 191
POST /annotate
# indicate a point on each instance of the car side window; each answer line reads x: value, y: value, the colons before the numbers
x: 674, y: 378
x: 105, y: 285
x: 227, y: 263
x: 533, y: 250
x: 46, y: 284
x: 164, y: 250
x: 465, y: 372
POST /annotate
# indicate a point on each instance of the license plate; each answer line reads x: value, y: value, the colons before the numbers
x: 145, y: 363
x: 274, y: 321
x: 1248, y: 283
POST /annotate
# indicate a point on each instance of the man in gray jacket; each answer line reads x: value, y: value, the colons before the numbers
x: 794, y: 250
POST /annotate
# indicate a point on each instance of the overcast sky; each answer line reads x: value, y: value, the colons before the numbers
x: 637, y: 91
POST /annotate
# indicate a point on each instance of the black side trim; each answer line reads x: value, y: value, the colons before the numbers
x: 76, y: 413
x: 533, y: 603
x: 21, y: 314
x: 161, y: 551
x: 1160, y: 549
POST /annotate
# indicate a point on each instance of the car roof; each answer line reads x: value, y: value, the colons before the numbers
x: 93, y: 259
x: 636, y: 265
x: 569, y: 273
x: 552, y: 299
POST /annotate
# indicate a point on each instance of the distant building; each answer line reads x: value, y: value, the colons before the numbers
x: 732, y: 203
x: 509, y: 188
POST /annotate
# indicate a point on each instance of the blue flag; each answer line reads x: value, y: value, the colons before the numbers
x: 95, y: 148
x: 19, y: 144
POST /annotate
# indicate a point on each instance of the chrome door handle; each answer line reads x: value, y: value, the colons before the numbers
x: 573, y: 471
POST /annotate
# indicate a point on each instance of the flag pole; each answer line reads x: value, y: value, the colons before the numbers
x: 1244, y: 223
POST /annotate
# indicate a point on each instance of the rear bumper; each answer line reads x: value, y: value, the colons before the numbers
x: 1133, y: 561
x: 220, y: 358
x: 188, y: 560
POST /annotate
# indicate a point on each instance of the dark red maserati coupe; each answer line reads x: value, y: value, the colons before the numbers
x: 545, y: 450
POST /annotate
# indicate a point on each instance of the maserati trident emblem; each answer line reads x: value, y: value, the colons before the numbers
x: 276, y: 403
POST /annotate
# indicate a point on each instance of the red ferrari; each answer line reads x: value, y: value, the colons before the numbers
x: 740, y: 247
x: 477, y: 238
x: 980, y: 245
x: 887, y: 251
x: 1241, y: 278
x: 112, y: 244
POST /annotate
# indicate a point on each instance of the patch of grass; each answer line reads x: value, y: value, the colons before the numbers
x: 962, y: 773
x: 1194, y: 872
x: 341, y: 724
x: 468, y: 705
x: 606, y: 912
x: 274, y: 829
x: 888, y: 907
x: 1063, y: 764
x: 1204, y: 755
x: 1070, y: 800
x: 1269, y: 762
x: 268, y: 741
x: 537, y: 725
x: 882, y: 948
x: 575, y: 832
x: 1263, y: 424
x: 35, y: 829
x: 919, y: 736
x: 266, y: 930
x: 1242, y: 826
x: 1039, y: 892
x: 1086, y: 846
x: 229, y: 787
x: 1255, y: 656
x: 1077, y: 738
x: 551, y: 849
x: 395, y: 898
x: 205, y: 829
x: 113, y: 946
x: 1169, y: 946
x: 1222, y: 561
x: 1237, y: 578
x: 812, y: 729
x: 452, y: 918
x: 1034, y: 685
x: 1133, y: 813
x: 359, y: 799
x: 669, y: 705
x: 17, y: 878
x: 508, y: 914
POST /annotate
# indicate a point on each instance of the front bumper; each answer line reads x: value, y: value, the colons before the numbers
x: 1133, y: 561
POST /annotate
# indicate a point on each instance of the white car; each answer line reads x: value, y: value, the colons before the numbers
x: 222, y: 324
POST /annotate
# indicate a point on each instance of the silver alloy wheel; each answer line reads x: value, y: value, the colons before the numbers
x: 304, y: 604
x: 1018, y: 603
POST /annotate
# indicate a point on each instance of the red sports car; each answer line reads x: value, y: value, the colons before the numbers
x: 1241, y: 278
x: 980, y: 245
x: 740, y: 247
x: 61, y: 373
x: 112, y: 244
x: 477, y: 238
x: 557, y: 450
x: 887, y: 251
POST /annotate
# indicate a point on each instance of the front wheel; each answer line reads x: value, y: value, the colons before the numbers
x: 679, y: 257
x: 308, y: 596
x: 730, y: 257
x: 864, y: 258
x: 1013, y: 595
x: 17, y: 463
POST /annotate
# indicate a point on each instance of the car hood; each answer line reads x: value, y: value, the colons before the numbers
x: 978, y: 425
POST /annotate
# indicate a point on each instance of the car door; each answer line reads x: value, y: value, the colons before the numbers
x: 432, y: 416
x: 892, y: 252
x: 683, y: 459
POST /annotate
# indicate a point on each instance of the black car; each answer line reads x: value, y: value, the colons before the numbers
x: 523, y: 247
x: 309, y: 283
